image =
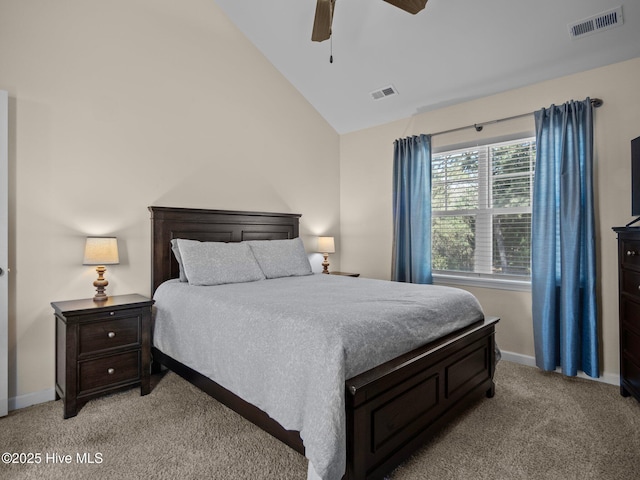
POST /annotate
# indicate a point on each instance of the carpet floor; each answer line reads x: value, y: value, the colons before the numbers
x: 538, y: 426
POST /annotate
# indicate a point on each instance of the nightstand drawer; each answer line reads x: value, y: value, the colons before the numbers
x: 630, y: 283
x: 108, y: 371
x: 98, y: 336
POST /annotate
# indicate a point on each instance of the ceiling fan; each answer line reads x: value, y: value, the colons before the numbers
x: 324, y: 15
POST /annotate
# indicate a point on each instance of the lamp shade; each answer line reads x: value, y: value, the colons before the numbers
x: 326, y: 245
x: 101, y: 251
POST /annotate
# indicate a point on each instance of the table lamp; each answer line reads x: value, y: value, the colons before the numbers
x: 326, y: 245
x: 101, y: 251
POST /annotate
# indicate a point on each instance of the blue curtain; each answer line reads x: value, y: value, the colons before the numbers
x: 412, y: 210
x: 563, y: 257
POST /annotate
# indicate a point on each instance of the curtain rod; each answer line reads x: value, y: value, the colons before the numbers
x: 595, y: 102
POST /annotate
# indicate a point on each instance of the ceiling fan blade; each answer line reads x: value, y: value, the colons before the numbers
x: 411, y: 6
x: 322, y: 21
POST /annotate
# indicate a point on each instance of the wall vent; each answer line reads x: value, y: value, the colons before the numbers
x: 596, y: 23
x: 384, y: 92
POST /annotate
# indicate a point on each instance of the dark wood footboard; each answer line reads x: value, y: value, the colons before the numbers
x: 392, y: 409
x: 395, y: 408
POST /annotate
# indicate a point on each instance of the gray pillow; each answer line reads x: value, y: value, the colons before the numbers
x: 281, y: 258
x: 215, y: 263
x: 176, y: 253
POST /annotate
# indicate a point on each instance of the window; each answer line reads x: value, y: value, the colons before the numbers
x: 481, y: 211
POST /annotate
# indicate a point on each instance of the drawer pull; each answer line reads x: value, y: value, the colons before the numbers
x: 111, y: 334
x: 631, y: 253
x: 113, y: 313
x: 111, y: 371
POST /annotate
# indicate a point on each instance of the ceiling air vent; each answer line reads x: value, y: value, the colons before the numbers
x: 384, y: 92
x: 597, y: 23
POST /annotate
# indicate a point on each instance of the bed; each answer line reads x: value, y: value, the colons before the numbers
x: 390, y: 408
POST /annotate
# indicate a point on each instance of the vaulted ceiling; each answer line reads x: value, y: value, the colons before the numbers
x: 452, y: 51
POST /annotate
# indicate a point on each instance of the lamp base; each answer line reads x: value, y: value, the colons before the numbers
x: 100, y: 297
x: 100, y: 284
x: 325, y: 264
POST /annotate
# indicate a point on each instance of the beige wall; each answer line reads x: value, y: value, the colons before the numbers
x: 120, y: 104
x: 366, y: 171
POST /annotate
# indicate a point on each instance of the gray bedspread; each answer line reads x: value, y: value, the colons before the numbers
x: 287, y: 345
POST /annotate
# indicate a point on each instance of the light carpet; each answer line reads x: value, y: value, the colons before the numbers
x: 538, y: 426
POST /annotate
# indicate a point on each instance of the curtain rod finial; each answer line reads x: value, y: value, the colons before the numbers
x: 596, y: 102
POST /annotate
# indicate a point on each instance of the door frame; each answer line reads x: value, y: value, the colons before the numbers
x: 4, y: 252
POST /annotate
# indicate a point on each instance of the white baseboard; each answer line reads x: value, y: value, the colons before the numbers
x: 518, y: 358
x: 610, y: 378
x: 23, y: 401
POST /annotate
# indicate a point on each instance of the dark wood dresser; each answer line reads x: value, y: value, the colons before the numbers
x: 629, y: 305
x: 101, y: 347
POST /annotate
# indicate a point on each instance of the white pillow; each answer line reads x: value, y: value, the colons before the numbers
x: 215, y: 263
x: 176, y: 253
x: 281, y: 258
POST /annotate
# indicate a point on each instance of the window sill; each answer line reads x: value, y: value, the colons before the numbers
x: 483, y: 282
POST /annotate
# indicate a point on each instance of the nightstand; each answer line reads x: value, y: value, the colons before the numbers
x: 101, y: 347
x: 346, y: 274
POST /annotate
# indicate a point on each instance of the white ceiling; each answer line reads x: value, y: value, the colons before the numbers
x: 452, y: 51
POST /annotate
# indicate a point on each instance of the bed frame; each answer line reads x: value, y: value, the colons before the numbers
x: 392, y: 409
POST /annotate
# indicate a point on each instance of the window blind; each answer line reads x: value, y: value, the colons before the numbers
x: 481, y: 210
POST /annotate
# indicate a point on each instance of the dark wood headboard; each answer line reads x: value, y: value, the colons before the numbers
x: 168, y: 223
